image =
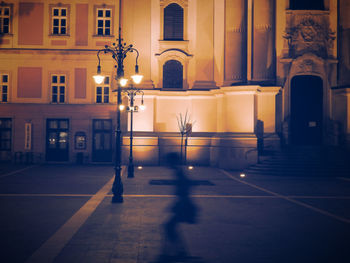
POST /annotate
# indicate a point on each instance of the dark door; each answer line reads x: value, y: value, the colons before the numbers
x: 306, y: 110
x: 172, y: 75
x: 57, y: 143
x: 102, y: 141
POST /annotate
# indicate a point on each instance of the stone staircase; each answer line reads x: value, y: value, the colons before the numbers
x: 306, y: 161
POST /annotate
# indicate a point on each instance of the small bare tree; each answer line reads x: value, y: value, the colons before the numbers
x: 185, y: 127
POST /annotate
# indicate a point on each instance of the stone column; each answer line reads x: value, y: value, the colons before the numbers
x: 341, y: 112
x: 344, y: 42
x: 204, y: 51
x: 240, y: 108
x: 235, y: 41
x: 266, y: 120
x: 235, y: 146
x: 267, y: 107
x: 263, y: 64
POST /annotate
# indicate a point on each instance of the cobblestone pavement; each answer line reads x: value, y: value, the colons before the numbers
x: 63, y: 213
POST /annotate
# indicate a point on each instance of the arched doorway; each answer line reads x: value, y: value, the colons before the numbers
x: 306, y: 110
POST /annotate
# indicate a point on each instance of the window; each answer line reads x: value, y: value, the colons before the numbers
x: 5, y: 134
x: 58, y: 88
x: 173, y: 22
x: 306, y: 5
x: 4, y: 19
x: 59, y: 21
x: 172, y: 75
x: 104, y: 17
x: 4, y: 82
x: 102, y: 91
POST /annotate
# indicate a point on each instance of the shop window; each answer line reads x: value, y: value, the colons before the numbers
x: 80, y: 141
x: 5, y: 134
x: 57, y: 140
x: 173, y: 22
x: 102, y: 140
x: 172, y: 75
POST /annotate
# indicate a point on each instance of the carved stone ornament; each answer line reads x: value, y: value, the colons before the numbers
x: 307, y: 65
x: 309, y: 34
x: 183, y: 3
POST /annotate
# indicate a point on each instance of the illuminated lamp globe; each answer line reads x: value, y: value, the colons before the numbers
x: 137, y: 78
x: 99, y: 78
x: 142, y: 107
x: 123, y: 82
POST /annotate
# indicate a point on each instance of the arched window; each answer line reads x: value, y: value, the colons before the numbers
x: 173, y: 22
x: 306, y: 4
x: 172, y: 75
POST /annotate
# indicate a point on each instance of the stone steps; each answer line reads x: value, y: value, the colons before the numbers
x: 304, y: 161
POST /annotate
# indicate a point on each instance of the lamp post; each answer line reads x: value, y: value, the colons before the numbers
x: 131, y: 92
x: 118, y: 52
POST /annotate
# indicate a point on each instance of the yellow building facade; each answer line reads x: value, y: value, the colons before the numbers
x: 249, y: 74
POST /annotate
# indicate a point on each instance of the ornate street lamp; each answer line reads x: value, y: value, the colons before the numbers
x: 131, y: 92
x: 118, y: 52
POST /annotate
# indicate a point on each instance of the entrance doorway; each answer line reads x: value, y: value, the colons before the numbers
x: 57, y: 143
x: 306, y: 110
x: 102, y: 141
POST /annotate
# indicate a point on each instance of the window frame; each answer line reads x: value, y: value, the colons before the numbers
x: 177, y: 30
x: 2, y: 84
x: 103, y: 94
x: 60, y: 18
x: 4, y: 6
x: 58, y: 93
x: 179, y: 55
x: 184, y: 5
x: 104, y: 8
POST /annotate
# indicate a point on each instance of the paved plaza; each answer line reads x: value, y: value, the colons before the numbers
x: 64, y: 214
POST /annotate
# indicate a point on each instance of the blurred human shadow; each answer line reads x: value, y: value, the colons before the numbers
x: 183, y: 210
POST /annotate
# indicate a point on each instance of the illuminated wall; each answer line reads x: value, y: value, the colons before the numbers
x: 238, y: 59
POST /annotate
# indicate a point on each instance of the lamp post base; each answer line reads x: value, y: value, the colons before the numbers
x: 117, y: 199
x: 131, y: 171
x: 117, y: 188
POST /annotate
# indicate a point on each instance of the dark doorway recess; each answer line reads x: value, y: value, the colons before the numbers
x: 57, y: 143
x: 306, y: 5
x: 172, y: 75
x: 102, y: 141
x: 306, y: 110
